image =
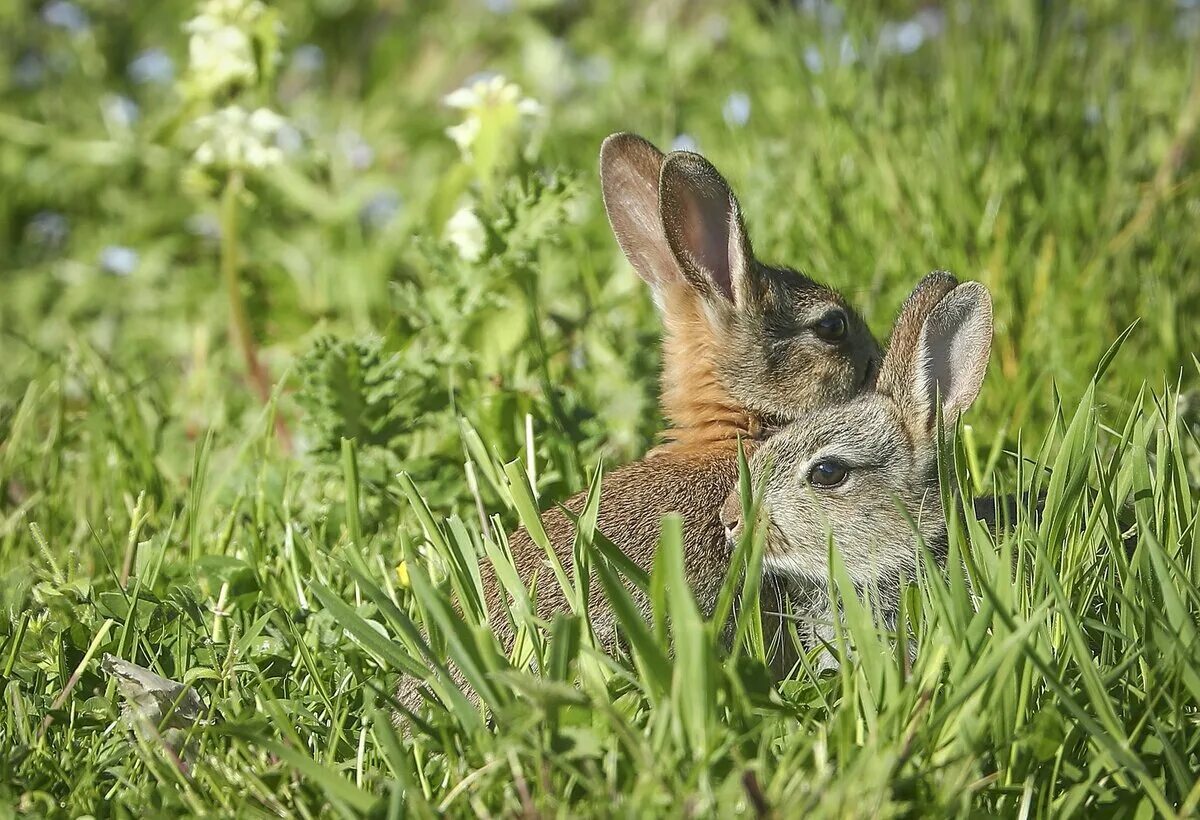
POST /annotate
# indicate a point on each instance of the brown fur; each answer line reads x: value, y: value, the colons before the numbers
x: 689, y: 480
x: 698, y: 407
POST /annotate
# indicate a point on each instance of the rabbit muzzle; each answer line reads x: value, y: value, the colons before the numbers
x: 731, y: 518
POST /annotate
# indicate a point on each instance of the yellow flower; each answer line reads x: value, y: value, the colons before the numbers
x: 402, y: 574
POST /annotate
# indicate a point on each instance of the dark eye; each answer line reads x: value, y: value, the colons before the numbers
x: 828, y: 473
x: 831, y: 327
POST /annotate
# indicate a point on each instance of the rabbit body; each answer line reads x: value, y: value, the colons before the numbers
x: 747, y: 347
x: 690, y: 480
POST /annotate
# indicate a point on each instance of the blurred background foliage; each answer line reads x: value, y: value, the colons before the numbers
x: 868, y: 147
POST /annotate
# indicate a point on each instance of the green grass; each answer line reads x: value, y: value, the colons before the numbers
x: 154, y: 508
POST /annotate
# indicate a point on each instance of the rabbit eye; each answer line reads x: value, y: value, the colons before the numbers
x: 827, y: 474
x: 831, y: 327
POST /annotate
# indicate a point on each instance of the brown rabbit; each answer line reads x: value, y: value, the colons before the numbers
x: 746, y: 347
x: 854, y: 472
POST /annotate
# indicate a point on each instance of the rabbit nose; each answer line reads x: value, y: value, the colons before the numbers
x: 731, y: 517
x: 733, y: 531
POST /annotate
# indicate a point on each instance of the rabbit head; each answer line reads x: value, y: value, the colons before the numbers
x: 747, y: 344
x: 858, y: 471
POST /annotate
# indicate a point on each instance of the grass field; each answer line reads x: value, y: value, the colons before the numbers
x: 263, y: 378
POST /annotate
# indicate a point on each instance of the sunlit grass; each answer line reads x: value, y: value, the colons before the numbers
x: 150, y: 509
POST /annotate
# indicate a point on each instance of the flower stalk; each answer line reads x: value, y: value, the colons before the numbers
x: 239, y: 318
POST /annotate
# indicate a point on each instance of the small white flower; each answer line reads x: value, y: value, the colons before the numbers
x: 119, y: 260
x: 908, y: 36
x: 221, y: 44
x: 813, y: 59
x: 205, y: 226
x: 736, y: 110
x: 467, y: 234
x: 62, y: 14
x: 219, y: 55
x: 464, y: 134
x: 120, y: 112
x: 152, y: 66
x: 492, y: 91
x: 308, y: 59
x: 265, y: 122
x: 490, y: 101
x: 847, y: 53
x: 234, y: 138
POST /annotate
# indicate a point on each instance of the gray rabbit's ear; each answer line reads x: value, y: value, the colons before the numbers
x: 703, y: 225
x: 629, y: 172
x: 946, y: 364
x: 907, y: 331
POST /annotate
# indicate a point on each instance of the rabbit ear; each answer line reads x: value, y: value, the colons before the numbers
x: 629, y: 172
x: 907, y: 332
x: 948, y: 360
x: 703, y: 225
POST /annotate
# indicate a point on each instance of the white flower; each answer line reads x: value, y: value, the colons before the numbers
x: 62, y: 14
x: 908, y: 36
x: 813, y: 59
x: 120, y: 112
x: 847, y: 53
x: 219, y: 55
x: 736, y: 110
x: 491, y: 91
x: 152, y: 66
x: 119, y: 260
x: 464, y: 134
x: 234, y: 138
x: 221, y: 45
x: 491, y: 102
x: 467, y: 234
x: 264, y: 121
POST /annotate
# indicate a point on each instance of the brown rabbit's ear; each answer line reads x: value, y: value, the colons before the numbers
x: 703, y: 225
x: 629, y: 172
x: 947, y: 363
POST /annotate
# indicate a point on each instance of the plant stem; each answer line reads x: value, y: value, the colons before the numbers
x: 239, y: 319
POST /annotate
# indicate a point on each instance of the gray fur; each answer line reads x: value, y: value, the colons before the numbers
x: 888, y: 440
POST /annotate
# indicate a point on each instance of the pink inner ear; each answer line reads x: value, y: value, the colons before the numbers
x: 641, y: 233
x: 708, y: 222
x: 629, y: 172
x: 952, y: 355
